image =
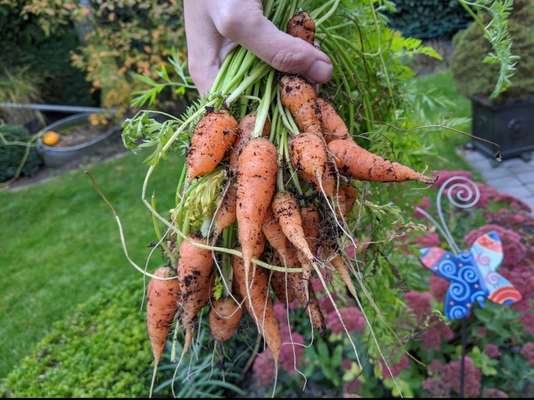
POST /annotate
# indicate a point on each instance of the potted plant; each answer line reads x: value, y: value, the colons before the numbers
x: 74, y: 137
x: 508, y: 118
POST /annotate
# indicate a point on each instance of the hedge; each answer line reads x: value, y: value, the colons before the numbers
x: 101, y: 351
x: 427, y: 19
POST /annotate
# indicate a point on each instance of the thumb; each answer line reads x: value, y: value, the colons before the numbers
x: 278, y: 49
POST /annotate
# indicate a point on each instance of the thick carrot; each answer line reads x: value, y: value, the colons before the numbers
x: 224, y: 318
x: 246, y: 127
x: 287, y: 212
x: 258, y: 303
x: 213, y: 136
x: 195, y: 269
x: 359, y: 163
x: 256, y: 180
x: 332, y: 126
x: 161, y: 308
x: 299, y: 97
x: 309, y: 157
x: 301, y: 25
x: 225, y: 215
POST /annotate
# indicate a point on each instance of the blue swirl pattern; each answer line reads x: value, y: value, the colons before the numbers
x: 465, y: 284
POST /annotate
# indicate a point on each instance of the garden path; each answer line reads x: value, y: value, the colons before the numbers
x: 515, y: 176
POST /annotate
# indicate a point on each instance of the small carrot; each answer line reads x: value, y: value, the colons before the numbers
x: 301, y: 25
x: 246, y: 127
x: 299, y: 97
x: 224, y: 318
x: 213, y: 136
x: 311, y: 224
x: 339, y: 264
x: 225, y: 215
x: 194, y: 271
x: 359, y: 163
x: 258, y: 303
x: 332, y: 126
x: 287, y: 212
x: 309, y: 157
x: 161, y: 308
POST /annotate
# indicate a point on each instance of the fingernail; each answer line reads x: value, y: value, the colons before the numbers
x: 320, y: 71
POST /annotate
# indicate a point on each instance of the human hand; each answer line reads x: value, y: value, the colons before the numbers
x: 215, y: 27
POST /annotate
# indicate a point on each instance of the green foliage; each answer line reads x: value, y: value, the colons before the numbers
x: 101, y: 351
x: 14, y: 142
x: 127, y: 37
x: 477, y: 64
x: 428, y: 19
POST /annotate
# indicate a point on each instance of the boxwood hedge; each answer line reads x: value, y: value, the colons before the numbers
x: 101, y: 351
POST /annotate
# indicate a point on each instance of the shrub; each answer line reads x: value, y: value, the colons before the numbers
x: 474, y: 77
x: 101, y: 351
x: 38, y: 37
x: 125, y: 38
x: 427, y: 19
x: 11, y: 155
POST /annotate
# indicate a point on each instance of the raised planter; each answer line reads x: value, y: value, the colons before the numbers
x: 510, y: 125
x: 56, y: 156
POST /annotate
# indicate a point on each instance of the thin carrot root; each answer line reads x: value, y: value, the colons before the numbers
x: 213, y: 136
x: 359, y: 163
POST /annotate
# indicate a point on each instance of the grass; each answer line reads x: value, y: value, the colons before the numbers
x: 59, y: 242
x: 60, y: 245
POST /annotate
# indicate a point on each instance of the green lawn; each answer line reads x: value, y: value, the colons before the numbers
x: 60, y: 244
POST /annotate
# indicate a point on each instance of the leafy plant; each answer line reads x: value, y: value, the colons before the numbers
x: 493, y: 56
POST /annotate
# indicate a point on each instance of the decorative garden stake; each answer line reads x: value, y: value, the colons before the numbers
x: 472, y: 273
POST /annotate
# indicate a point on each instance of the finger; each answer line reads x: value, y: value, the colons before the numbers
x: 203, y: 46
x: 280, y: 50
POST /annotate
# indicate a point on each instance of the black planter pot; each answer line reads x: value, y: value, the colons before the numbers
x: 510, y: 125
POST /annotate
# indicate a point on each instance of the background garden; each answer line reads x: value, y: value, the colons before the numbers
x: 72, y: 319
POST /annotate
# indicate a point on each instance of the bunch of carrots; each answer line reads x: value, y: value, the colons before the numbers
x: 289, y: 163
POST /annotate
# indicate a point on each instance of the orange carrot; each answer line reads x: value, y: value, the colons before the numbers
x: 299, y: 97
x: 246, y: 127
x: 213, y: 136
x: 225, y: 215
x: 332, y: 126
x: 161, y: 308
x: 195, y: 269
x: 287, y: 212
x: 359, y: 163
x: 309, y: 157
x: 256, y: 180
x: 259, y: 303
x: 224, y: 318
x: 339, y: 264
x: 302, y: 26
x: 311, y: 223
